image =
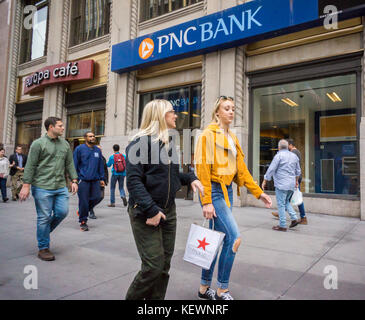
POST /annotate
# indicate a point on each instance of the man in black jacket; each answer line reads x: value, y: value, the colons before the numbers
x: 17, y: 164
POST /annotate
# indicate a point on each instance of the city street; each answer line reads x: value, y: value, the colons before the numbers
x: 101, y: 263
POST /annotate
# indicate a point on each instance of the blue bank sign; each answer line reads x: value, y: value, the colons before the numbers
x: 252, y: 21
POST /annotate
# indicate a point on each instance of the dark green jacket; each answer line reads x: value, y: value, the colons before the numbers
x: 48, y: 161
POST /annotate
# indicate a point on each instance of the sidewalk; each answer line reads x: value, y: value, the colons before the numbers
x: 101, y: 263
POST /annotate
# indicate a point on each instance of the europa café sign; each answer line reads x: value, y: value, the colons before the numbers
x: 249, y: 22
x: 59, y: 74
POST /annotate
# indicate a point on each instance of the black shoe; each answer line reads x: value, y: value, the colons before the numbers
x: 92, y: 214
x: 83, y: 226
x: 124, y: 201
x: 224, y: 296
x: 208, y: 295
x: 293, y: 223
x: 14, y: 199
x: 5, y: 199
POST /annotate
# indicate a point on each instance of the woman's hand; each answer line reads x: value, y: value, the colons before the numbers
x: 155, y: 221
x: 266, y: 199
x: 263, y: 185
x: 196, y: 184
x: 209, y: 211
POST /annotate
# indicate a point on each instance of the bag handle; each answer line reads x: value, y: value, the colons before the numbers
x: 206, y: 221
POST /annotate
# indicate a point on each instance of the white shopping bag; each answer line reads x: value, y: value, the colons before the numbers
x: 202, y: 245
x: 297, y: 198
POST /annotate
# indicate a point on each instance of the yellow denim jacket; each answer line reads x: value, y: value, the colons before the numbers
x: 216, y: 161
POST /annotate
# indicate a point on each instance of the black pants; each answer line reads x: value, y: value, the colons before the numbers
x: 155, y: 247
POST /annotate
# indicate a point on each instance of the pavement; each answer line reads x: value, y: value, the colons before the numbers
x: 101, y: 263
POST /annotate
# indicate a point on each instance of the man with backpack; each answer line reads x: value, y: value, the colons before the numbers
x: 117, y: 161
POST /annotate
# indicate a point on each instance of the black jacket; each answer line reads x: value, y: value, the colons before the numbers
x: 152, y: 184
x: 14, y: 158
x: 106, y: 173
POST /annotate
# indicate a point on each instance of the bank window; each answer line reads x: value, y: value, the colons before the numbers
x: 186, y: 102
x: 154, y: 8
x: 320, y: 116
x: 34, y: 30
x: 78, y: 124
x: 90, y: 20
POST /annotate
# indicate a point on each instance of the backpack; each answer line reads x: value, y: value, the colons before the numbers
x: 119, y: 162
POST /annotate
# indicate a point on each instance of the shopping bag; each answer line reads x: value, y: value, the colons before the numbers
x: 202, y: 245
x: 297, y: 198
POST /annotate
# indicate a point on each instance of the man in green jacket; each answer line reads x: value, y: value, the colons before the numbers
x: 50, y: 157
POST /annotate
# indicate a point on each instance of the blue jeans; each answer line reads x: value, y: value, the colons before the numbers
x: 283, y: 202
x: 113, y: 183
x: 46, y: 203
x: 3, y: 187
x: 224, y: 222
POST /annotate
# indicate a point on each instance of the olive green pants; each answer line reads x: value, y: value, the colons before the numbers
x: 155, y: 247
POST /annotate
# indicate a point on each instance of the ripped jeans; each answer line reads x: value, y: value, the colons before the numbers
x: 224, y: 222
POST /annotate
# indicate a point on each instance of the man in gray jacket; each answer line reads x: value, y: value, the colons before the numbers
x: 285, y: 170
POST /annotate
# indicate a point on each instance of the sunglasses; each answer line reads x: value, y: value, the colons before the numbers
x: 225, y: 98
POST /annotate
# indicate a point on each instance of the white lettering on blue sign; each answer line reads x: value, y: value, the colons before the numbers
x: 222, y: 30
x: 208, y: 32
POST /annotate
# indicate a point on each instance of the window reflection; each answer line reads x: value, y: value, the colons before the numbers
x: 154, y: 8
x: 320, y: 116
x: 34, y: 31
x: 79, y: 124
x: 186, y: 102
x: 27, y: 132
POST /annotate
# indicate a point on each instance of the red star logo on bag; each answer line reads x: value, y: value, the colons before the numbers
x: 202, y: 244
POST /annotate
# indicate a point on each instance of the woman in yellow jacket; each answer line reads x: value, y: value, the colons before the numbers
x: 219, y: 161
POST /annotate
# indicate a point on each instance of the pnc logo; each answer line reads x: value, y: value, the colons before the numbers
x: 146, y: 48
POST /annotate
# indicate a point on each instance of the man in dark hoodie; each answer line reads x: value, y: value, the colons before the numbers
x: 90, y: 170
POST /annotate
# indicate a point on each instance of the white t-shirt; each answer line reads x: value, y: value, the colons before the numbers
x: 232, y: 145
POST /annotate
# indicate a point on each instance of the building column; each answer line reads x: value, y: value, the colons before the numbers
x: 362, y: 140
x: 53, y: 103
x: 9, y: 125
x: 120, y: 100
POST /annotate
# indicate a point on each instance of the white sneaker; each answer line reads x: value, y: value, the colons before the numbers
x: 224, y: 296
x: 208, y: 295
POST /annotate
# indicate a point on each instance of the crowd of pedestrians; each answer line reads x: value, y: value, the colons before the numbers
x: 152, y: 186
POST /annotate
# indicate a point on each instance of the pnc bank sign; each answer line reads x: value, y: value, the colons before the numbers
x: 252, y: 21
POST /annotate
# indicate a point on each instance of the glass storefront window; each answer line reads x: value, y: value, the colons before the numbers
x: 90, y: 20
x: 320, y: 116
x: 79, y: 124
x: 34, y: 31
x: 154, y: 8
x: 27, y: 132
x: 186, y: 102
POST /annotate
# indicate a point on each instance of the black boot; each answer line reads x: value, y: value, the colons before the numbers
x: 92, y: 214
x: 124, y: 201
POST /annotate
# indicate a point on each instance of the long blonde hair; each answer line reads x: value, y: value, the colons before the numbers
x: 153, y: 120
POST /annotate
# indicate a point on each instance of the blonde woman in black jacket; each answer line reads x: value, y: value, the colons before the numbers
x: 153, y: 178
